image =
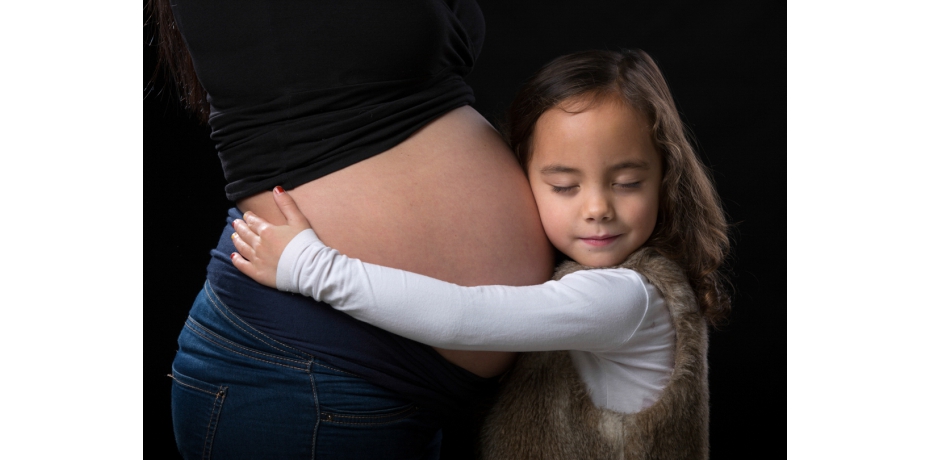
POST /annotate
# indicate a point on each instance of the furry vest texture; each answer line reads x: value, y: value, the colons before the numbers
x: 543, y: 410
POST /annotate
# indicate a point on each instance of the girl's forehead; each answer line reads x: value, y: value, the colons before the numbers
x: 607, y: 131
x: 581, y: 111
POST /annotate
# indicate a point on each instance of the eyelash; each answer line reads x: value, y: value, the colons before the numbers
x: 631, y: 185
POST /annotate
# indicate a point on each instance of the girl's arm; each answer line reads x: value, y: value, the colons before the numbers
x: 593, y: 310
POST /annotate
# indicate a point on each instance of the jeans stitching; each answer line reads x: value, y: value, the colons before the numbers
x: 214, y: 421
x: 316, y: 407
x: 361, y: 424
x: 214, y: 393
x: 337, y: 370
x: 216, y: 336
x: 370, y: 419
x: 187, y: 326
x: 222, y: 306
x: 218, y: 397
x: 213, y: 296
x: 371, y: 423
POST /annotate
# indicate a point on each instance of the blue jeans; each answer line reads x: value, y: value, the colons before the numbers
x: 237, y: 393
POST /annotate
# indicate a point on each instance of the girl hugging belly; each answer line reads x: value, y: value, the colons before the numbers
x: 621, y: 194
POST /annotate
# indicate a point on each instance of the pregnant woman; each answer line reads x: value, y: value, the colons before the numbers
x: 360, y: 110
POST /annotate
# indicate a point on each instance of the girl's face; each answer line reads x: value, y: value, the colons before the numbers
x: 596, y: 177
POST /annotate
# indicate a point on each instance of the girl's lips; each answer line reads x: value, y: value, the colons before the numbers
x: 599, y: 241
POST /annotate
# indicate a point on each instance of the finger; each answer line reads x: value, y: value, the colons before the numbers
x: 289, y: 208
x: 243, y: 265
x: 253, y: 271
x: 258, y: 226
x: 255, y: 223
x: 245, y: 250
x: 245, y: 233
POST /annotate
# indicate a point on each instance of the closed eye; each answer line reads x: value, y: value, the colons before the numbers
x: 560, y: 189
x: 630, y: 185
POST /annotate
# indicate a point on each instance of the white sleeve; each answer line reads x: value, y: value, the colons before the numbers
x: 590, y: 310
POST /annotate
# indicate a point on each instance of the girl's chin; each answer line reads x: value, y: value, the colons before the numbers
x: 599, y: 260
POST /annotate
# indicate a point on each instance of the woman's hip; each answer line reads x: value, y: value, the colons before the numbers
x: 237, y: 393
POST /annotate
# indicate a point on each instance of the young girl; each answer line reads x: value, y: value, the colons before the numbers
x: 620, y: 193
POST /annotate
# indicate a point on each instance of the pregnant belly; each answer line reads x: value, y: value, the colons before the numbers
x: 450, y: 202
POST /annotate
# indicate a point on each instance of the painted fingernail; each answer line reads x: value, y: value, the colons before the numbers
x: 234, y: 235
x: 232, y: 256
x: 278, y: 189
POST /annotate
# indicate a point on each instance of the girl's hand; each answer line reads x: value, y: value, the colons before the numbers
x: 260, y: 243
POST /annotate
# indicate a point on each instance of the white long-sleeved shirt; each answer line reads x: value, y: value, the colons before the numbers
x: 613, y: 321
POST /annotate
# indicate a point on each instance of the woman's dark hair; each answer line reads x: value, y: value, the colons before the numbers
x: 174, y: 60
x: 691, y: 228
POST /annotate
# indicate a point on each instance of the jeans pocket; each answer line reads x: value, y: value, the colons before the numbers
x: 350, y: 400
x: 369, y: 418
x: 195, y: 408
x: 360, y: 420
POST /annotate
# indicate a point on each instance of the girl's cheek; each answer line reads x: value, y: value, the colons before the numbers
x: 640, y: 213
x: 555, y: 231
x: 557, y: 228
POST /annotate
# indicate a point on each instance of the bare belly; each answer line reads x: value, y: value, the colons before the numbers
x: 449, y: 202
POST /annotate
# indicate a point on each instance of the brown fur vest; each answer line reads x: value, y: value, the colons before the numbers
x: 543, y: 410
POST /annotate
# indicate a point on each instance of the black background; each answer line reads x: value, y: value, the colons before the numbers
x: 726, y: 66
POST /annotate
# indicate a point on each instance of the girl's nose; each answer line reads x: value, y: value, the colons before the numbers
x: 598, y: 208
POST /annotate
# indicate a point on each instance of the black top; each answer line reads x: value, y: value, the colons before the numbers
x: 299, y: 89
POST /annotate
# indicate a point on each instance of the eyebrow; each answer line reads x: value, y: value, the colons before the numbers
x: 562, y: 169
x: 556, y: 169
x: 630, y: 165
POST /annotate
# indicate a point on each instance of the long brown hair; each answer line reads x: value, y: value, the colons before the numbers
x: 691, y: 228
x: 174, y: 60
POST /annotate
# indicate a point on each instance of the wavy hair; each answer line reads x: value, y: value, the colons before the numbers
x: 691, y: 228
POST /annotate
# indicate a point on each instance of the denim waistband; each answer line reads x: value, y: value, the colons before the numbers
x: 214, y: 320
